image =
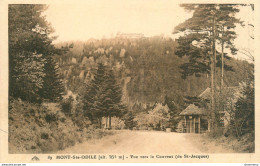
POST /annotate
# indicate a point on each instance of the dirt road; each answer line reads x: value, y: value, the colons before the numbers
x: 141, y: 142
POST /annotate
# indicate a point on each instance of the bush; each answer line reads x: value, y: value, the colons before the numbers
x: 44, y: 136
x: 50, y: 118
x: 66, y: 105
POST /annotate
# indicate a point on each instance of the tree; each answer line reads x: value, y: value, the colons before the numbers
x: 102, y: 96
x: 173, y: 111
x: 159, y: 116
x: 129, y: 120
x: 113, y: 95
x: 92, y: 97
x: 53, y: 87
x: 200, y: 39
x: 245, y: 108
x: 26, y: 76
x: 30, y: 49
x: 226, y: 23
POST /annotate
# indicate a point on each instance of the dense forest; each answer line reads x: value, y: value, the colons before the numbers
x: 147, y: 68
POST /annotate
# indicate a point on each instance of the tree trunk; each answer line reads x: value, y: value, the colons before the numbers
x: 222, y: 60
x: 100, y: 123
x: 109, y: 122
x: 213, y: 79
x: 106, y: 122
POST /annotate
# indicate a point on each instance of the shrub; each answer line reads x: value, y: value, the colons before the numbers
x: 66, y: 105
x: 50, y: 118
x: 63, y: 119
x: 44, y: 136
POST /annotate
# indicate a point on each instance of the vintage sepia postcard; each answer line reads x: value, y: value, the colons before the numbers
x: 145, y: 81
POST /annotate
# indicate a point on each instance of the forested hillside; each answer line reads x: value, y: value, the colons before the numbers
x: 147, y: 68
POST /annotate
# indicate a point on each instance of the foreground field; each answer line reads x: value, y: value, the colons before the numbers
x: 143, y: 142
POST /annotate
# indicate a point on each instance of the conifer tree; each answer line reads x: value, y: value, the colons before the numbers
x: 200, y: 39
x: 244, y: 120
x: 129, y: 120
x: 53, y: 88
x: 173, y: 111
x: 93, y: 96
x: 226, y: 23
x: 113, y: 95
x: 102, y: 96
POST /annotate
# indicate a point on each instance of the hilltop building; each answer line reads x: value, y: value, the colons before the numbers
x: 130, y: 35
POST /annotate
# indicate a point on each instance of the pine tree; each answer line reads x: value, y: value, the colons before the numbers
x: 53, y: 88
x: 102, y: 96
x: 199, y: 42
x: 93, y: 96
x: 129, y: 120
x: 225, y: 28
x: 173, y: 111
x: 245, y: 108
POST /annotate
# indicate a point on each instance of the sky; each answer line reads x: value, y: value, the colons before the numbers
x: 97, y: 20
x: 104, y: 19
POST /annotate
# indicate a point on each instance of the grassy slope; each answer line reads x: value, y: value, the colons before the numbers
x: 221, y: 144
x: 43, y: 129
